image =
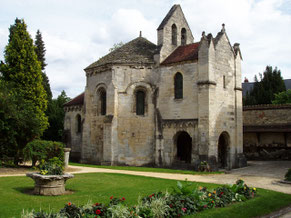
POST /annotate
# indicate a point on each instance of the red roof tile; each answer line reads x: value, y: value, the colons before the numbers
x: 183, y: 53
x: 79, y: 100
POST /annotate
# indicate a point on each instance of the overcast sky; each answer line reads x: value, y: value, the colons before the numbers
x: 77, y: 33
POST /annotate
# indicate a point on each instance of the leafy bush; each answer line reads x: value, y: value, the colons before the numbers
x: 181, y: 201
x: 204, y: 167
x: 288, y: 175
x: 53, y: 166
x: 38, y: 150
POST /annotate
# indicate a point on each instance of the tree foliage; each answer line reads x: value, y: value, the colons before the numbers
x: 40, y: 52
x: 116, y: 46
x: 19, y: 123
x: 23, y: 113
x: 283, y: 97
x: 263, y: 92
x: 56, y: 117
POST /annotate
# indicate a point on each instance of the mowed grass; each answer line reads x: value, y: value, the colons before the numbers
x: 145, y: 169
x: 98, y: 187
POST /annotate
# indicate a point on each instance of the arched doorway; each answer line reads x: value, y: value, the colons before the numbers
x: 184, y: 147
x: 223, y: 146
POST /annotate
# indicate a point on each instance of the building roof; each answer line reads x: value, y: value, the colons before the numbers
x: 137, y: 51
x: 183, y: 53
x: 168, y: 16
x: 79, y: 100
x: 248, y: 86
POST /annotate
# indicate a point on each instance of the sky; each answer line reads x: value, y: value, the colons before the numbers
x: 77, y: 33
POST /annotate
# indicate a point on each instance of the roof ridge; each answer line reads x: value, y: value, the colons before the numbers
x: 167, y: 17
x: 116, y: 57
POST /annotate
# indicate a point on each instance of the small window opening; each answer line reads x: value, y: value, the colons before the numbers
x: 174, y: 34
x: 224, y: 85
x: 183, y: 36
x: 103, y: 102
x: 79, y: 123
x: 178, y: 83
x: 140, y: 103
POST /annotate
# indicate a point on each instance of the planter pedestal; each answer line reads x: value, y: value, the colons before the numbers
x: 49, y: 184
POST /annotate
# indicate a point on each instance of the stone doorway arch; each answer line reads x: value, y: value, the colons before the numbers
x: 184, y: 146
x: 223, y: 150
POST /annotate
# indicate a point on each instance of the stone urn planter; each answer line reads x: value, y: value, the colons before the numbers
x: 49, y: 184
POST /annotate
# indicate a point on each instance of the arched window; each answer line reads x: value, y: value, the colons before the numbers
x: 183, y: 36
x: 174, y: 34
x: 102, y: 102
x: 140, y: 102
x: 78, y: 123
x: 178, y: 83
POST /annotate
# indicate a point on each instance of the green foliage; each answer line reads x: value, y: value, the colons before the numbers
x: 288, y: 175
x: 40, y: 52
x: 19, y: 123
x: 38, y: 150
x: 53, y: 166
x: 264, y: 90
x: 22, y: 71
x: 283, y: 97
x: 56, y: 116
x: 116, y: 46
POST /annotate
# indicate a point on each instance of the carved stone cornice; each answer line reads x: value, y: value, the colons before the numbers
x: 179, y: 123
x: 73, y: 108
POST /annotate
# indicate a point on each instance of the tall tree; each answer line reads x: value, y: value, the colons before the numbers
x: 40, y: 52
x: 56, y: 116
x: 263, y: 92
x: 22, y: 71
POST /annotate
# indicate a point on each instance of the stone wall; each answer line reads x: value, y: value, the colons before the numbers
x: 220, y: 107
x: 267, y: 132
x: 97, y: 127
x: 73, y: 138
x: 134, y: 143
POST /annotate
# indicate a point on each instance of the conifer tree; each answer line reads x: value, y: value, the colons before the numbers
x: 263, y: 92
x: 40, y: 52
x: 22, y: 71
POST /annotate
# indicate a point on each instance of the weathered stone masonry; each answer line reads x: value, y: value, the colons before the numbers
x: 177, y: 102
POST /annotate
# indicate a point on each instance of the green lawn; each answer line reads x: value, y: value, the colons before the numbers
x: 98, y: 187
x: 145, y: 169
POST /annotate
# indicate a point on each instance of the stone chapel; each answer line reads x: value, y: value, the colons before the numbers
x: 177, y: 102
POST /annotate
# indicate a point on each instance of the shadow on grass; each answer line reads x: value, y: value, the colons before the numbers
x: 29, y: 191
x: 24, y: 190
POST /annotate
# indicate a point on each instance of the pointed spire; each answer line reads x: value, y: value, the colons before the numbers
x: 223, y: 28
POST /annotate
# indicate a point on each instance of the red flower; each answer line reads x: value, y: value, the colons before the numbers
x: 205, y: 206
x: 97, y: 204
x: 184, y: 209
x: 123, y: 198
x: 150, y: 196
x: 98, y: 212
x: 212, y: 202
x: 69, y: 204
x: 111, y: 197
x: 171, y: 205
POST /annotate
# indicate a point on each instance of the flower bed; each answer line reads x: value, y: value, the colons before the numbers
x: 182, y: 200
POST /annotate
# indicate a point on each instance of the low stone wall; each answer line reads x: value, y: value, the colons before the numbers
x: 267, y: 132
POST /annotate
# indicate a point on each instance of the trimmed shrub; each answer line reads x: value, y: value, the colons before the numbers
x: 38, y: 150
